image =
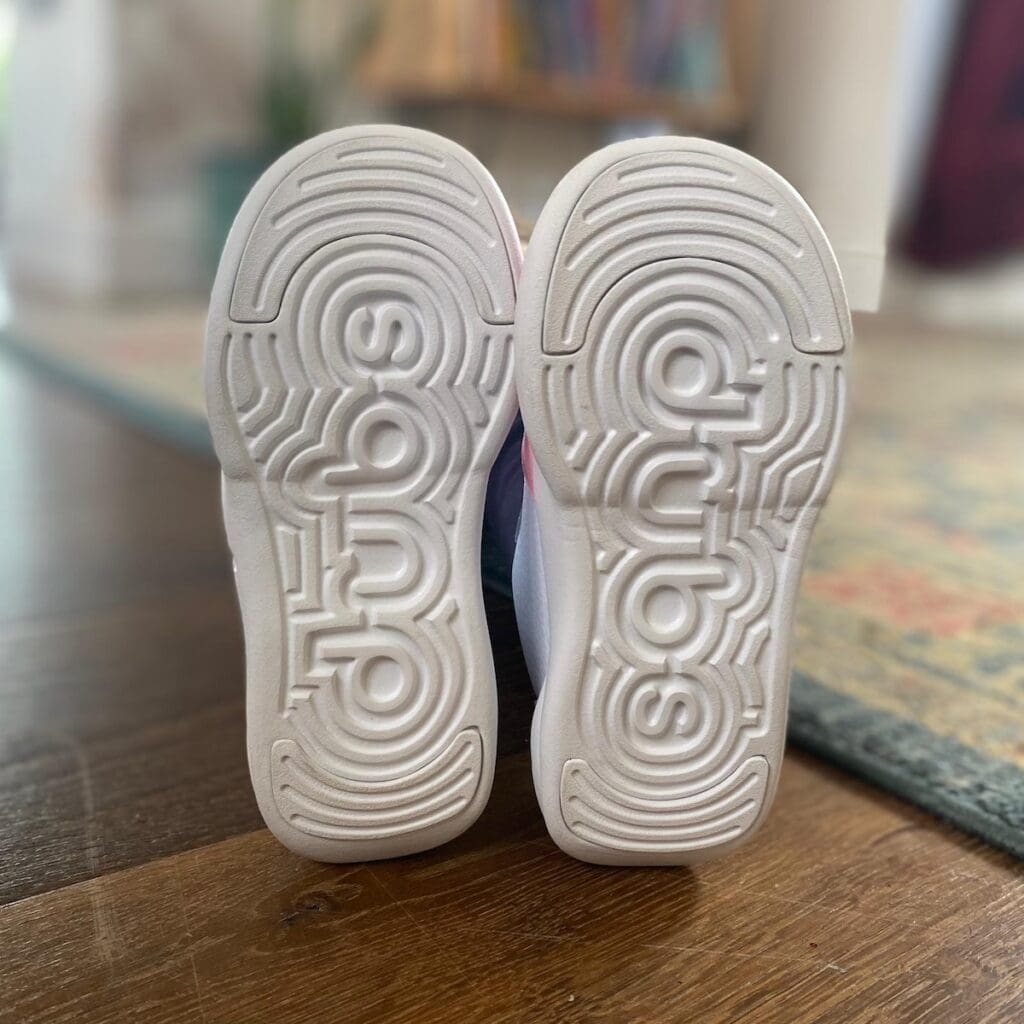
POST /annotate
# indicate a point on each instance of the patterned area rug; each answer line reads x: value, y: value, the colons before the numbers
x: 145, y: 364
x: 909, y: 661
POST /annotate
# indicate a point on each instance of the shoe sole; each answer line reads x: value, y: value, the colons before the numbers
x: 681, y: 337
x: 359, y: 386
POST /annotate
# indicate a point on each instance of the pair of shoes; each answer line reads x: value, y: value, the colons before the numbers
x: 676, y: 337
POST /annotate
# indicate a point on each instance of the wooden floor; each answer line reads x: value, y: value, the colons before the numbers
x: 138, y: 884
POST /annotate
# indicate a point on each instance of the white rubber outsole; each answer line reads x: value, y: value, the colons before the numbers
x: 681, y: 338
x: 359, y: 387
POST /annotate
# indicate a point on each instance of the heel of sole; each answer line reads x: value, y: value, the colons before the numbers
x: 628, y: 823
x: 322, y: 809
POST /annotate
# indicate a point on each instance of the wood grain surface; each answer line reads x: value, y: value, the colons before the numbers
x: 121, y: 710
x: 139, y: 885
x: 850, y: 907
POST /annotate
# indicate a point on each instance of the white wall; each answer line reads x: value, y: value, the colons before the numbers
x: 58, y: 181
x: 928, y: 40
x: 827, y: 121
x: 113, y: 106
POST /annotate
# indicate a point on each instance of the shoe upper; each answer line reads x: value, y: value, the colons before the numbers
x: 528, y: 584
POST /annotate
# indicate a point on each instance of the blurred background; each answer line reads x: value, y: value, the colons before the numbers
x: 131, y: 130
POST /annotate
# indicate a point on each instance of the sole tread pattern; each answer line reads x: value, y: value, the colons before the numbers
x: 693, y: 382
x: 362, y: 386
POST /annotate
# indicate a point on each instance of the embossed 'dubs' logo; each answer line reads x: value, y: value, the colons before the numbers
x: 385, y: 333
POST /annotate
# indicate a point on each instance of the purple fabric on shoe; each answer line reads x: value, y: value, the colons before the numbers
x: 505, y: 495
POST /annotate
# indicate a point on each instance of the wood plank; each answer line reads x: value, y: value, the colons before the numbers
x: 121, y: 739
x: 122, y: 734
x: 93, y: 514
x: 850, y: 906
x: 121, y: 701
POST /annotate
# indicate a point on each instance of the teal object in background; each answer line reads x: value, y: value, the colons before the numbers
x: 225, y: 181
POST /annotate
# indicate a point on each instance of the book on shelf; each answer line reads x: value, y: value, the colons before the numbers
x: 629, y: 52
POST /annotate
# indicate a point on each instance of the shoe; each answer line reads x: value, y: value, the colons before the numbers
x: 359, y: 386
x: 681, y: 341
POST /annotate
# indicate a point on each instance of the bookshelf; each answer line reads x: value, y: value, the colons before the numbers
x: 689, y: 63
